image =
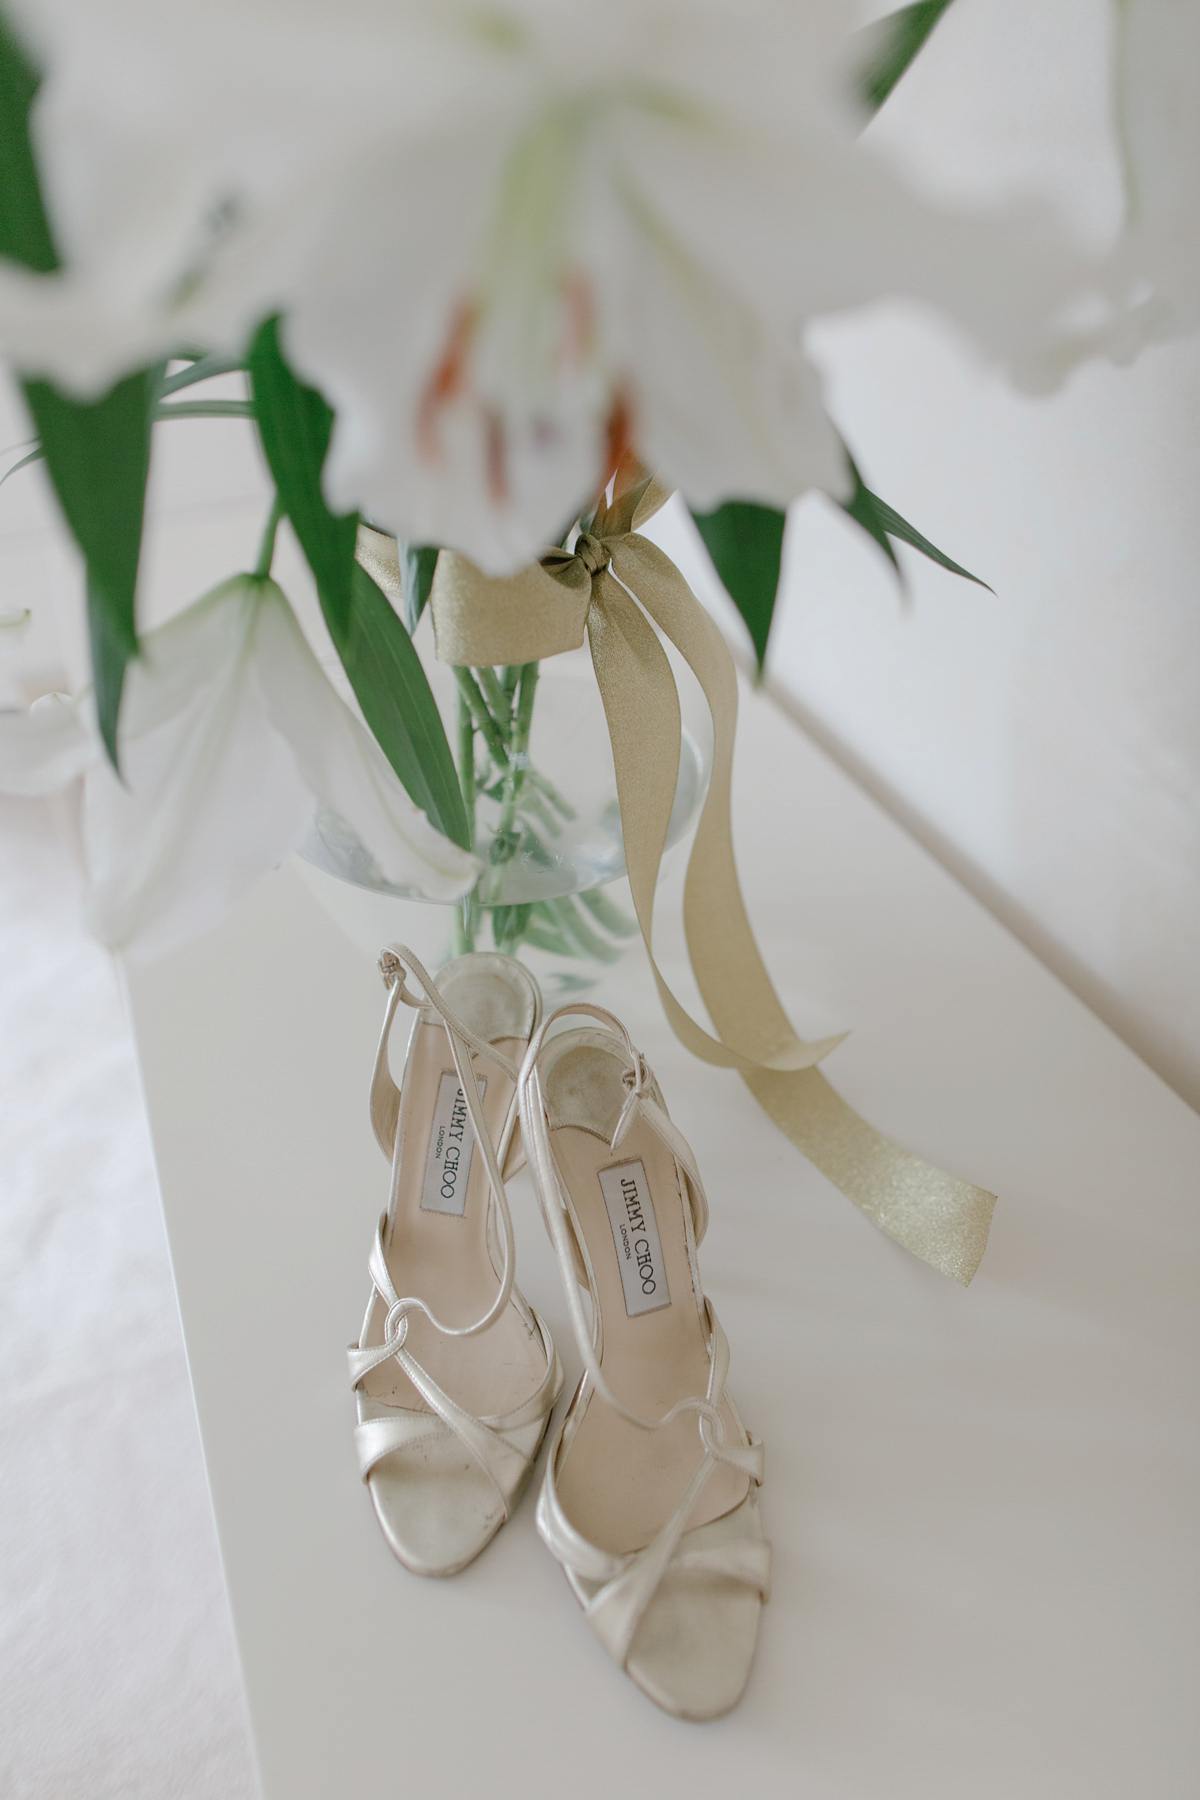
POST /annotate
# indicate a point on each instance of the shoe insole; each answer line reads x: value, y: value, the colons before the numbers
x: 618, y: 1483
x: 436, y: 1245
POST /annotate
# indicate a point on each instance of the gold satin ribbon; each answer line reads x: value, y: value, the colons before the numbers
x: 613, y: 584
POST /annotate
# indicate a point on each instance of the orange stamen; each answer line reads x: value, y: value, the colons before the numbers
x: 446, y: 381
x: 497, y: 465
x: 579, y: 318
x: 619, y: 432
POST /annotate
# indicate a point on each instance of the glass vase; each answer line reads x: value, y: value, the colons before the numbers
x: 536, y: 769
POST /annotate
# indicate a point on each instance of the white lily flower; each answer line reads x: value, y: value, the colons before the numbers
x: 230, y: 736
x: 505, y: 239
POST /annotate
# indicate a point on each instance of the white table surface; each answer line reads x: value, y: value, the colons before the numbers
x: 983, y: 1502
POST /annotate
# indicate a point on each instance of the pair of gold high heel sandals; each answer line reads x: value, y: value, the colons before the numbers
x: 650, y: 1495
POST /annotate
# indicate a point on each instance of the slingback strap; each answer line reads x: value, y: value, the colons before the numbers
x: 385, y: 1095
x: 643, y: 1098
x: 396, y: 960
x: 550, y: 1190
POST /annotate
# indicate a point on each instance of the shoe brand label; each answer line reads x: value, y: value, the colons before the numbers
x: 635, y: 1235
x: 451, y: 1147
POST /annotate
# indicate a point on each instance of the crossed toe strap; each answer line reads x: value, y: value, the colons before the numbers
x: 502, y: 1444
x: 624, y: 1586
x: 732, y: 1546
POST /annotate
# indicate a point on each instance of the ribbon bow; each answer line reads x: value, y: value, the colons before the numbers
x: 612, y: 584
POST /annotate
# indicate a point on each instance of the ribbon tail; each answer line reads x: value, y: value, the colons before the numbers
x: 941, y: 1219
x: 936, y: 1216
x: 641, y: 705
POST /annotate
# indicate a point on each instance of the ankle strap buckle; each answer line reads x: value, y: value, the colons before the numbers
x: 639, y: 1084
x: 393, y: 969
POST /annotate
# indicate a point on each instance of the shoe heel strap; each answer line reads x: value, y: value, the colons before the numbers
x: 464, y: 1044
x: 385, y: 1095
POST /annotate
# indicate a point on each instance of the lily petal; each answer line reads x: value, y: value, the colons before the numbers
x: 343, y: 767
x: 211, y: 798
x: 230, y: 734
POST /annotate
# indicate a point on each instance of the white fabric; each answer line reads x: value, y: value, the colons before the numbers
x: 117, y: 1664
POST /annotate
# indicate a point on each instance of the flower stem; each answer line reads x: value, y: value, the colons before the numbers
x: 490, y: 730
x: 518, y: 756
x: 526, y: 689
x: 466, y: 920
x: 545, y: 786
x: 497, y: 697
x: 466, y: 760
x: 266, y: 549
x: 498, y: 705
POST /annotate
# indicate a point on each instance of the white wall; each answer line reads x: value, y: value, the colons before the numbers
x: 1051, y: 732
x: 1044, y: 739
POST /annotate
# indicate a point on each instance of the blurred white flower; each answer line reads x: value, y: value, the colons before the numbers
x: 14, y: 623
x: 1147, y: 288
x: 506, y: 239
x: 1158, y: 104
x: 230, y: 736
x: 44, y: 749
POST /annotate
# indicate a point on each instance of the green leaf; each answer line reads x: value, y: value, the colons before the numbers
x: 543, y: 933
x: 608, y: 914
x: 377, y: 652
x: 25, y: 235
x: 97, y: 452
x: 745, y: 542
x: 882, y: 522
x: 393, y: 690
x: 575, y: 928
x: 863, y: 508
x: 98, y: 456
x: 111, y: 654
x: 295, y: 424
x: 895, y: 41
x: 508, y: 925
x: 417, y: 563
